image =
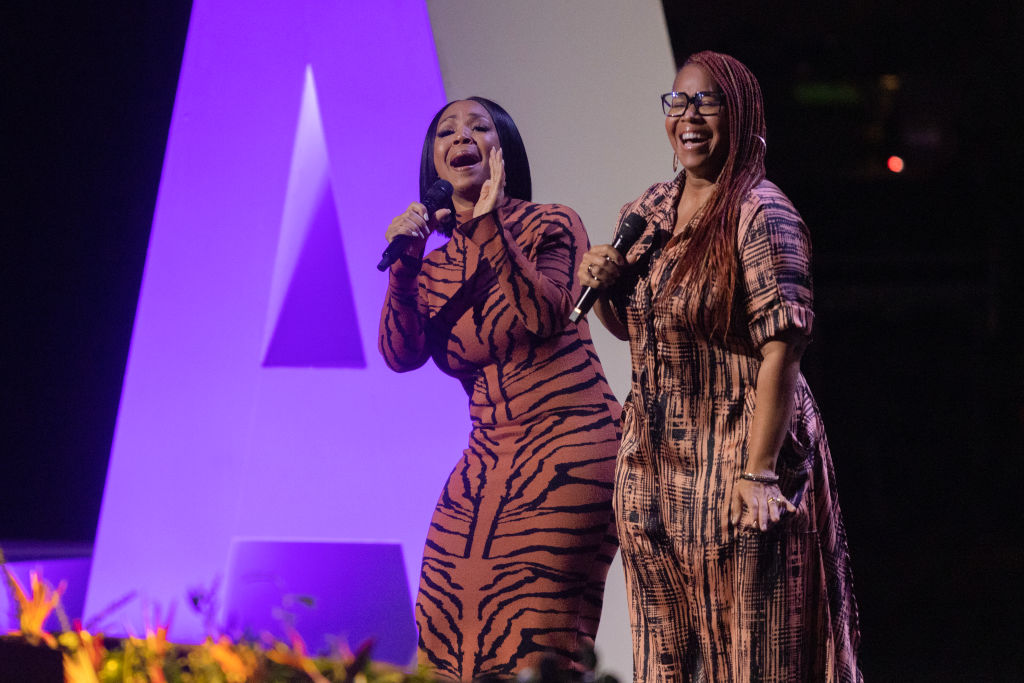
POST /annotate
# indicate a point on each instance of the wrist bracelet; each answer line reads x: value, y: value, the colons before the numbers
x: 760, y: 478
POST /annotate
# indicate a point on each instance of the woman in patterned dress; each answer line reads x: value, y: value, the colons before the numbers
x: 523, y: 533
x: 734, y: 548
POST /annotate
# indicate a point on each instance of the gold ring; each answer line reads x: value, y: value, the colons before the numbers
x: 773, y: 500
x: 596, y: 278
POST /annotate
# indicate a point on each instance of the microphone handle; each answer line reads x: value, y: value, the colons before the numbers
x: 439, y: 193
x: 590, y: 295
x: 393, y: 251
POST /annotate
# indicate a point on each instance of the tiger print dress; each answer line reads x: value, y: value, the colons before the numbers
x: 710, y: 602
x: 522, y: 536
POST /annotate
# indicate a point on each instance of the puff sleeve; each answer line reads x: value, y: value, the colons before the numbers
x: 775, y: 263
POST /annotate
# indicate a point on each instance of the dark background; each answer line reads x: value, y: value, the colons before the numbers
x: 917, y: 361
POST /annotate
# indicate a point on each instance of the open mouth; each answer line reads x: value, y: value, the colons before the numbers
x: 692, y: 139
x: 464, y: 158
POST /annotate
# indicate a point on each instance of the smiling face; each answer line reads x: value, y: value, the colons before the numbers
x: 465, y: 136
x: 701, y: 142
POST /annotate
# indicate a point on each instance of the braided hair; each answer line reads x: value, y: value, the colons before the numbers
x: 708, y: 266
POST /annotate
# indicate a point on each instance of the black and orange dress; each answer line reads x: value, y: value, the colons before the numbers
x: 709, y: 601
x: 523, y: 533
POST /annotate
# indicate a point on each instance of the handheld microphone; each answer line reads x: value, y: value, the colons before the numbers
x: 436, y: 198
x: 629, y: 232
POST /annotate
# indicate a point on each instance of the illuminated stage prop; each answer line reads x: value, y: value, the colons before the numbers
x: 255, y: 403
x: 355, y: 591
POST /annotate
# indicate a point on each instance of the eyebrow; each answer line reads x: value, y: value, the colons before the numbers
x: 471, y: 117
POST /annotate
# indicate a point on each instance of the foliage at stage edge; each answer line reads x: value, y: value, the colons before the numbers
x: 92, y: 658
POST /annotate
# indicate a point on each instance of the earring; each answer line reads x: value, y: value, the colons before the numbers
x: 675, y: 162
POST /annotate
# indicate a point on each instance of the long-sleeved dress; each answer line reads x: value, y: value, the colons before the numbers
x: 709, y: 602
x: 523, y: 533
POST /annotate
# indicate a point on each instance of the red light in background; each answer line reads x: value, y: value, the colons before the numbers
x: 895, y: 164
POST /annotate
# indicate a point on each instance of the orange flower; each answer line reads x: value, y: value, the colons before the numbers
x: 149, y: 653
x: 156, y: 641
x: 156, y: 673
x: 238, y: 664
x: 296, y: 657
x: 83, y: 655
x: 78, y: 667
x: 35, y: 607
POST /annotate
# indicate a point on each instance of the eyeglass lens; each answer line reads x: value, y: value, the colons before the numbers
x: 706, y: 103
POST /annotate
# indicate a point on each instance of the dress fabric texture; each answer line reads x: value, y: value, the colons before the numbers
x: 523, y: 533
x: 709, y: 602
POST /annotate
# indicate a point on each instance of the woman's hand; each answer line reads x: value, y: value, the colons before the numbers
x: 765, y: 503
x: 415, y: 222
x: 600, y: 267
x: 492, y: 192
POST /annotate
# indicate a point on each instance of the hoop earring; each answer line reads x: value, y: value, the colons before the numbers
x: 761, y: 140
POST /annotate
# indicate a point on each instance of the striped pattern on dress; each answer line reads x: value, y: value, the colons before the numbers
x: 523, y: 532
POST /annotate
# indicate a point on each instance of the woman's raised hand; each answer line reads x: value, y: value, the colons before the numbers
x: 492, y: 192
x: 600, y: 267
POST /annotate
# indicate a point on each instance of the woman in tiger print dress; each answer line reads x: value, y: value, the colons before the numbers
x: 523, y: 534
x: 732, y: 540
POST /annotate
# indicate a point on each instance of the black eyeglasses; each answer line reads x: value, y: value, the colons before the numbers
x: 705, y: 103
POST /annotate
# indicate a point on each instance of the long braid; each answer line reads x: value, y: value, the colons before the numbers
x: 708, y: 265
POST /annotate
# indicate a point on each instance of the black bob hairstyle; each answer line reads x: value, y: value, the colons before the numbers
x: 517, y: 166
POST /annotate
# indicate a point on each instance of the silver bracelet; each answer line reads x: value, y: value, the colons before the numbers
x: 760, y: 478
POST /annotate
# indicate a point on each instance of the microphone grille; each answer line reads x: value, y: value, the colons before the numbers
x: 440, y: 191
x: 631, y: 228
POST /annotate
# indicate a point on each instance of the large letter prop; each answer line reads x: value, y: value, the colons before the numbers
x: 255, y: 404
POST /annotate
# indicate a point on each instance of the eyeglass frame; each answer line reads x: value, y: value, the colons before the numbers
x: 697, y: 100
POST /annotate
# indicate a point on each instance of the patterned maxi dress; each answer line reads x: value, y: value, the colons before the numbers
x: 523, y: 533
x: 708, y: 602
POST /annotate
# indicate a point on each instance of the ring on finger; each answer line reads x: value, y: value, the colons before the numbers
x: 596, y: 278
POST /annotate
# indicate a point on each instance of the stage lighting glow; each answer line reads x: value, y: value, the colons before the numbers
x: 895, y: 164
x: 254, y: 402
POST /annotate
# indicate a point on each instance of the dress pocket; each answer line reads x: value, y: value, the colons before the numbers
x: 796, y: 455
